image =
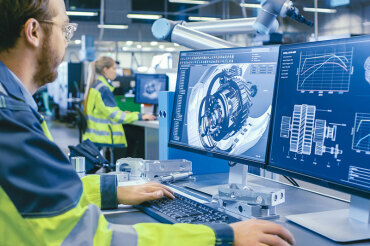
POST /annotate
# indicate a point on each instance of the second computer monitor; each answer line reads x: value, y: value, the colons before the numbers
x: 321, y: 127
x: 148, y: 87
x: 223, y: 102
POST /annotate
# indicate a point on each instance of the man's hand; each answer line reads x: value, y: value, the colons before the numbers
x: 148, y: 117
x: 136, y: 194
x: 261, y: 232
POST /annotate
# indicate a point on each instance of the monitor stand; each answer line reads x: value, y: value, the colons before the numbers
x: 345, y: 225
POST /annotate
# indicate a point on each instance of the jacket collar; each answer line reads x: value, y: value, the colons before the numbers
x: 14, y: 86
x: 106, y: 82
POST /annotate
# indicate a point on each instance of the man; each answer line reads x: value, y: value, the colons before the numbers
x: 42, y: 200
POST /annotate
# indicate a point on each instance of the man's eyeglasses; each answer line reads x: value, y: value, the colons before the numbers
x: 67, y: 28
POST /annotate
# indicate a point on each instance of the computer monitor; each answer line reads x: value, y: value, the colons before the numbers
x: 321, y: 126
x: 148, y: 87
x: 223, y: 103
x: 125, y: 83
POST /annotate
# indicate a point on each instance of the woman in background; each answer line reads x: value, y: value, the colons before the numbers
x: 104, y: 118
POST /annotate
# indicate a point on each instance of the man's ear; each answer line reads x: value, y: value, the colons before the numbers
x: 32, y: 32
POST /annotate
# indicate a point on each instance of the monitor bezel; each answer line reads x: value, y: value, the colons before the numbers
x: 295, y: 174
x: 149, y: 74
x: 220, y: 155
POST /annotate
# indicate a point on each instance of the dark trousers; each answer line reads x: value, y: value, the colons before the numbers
x: 118, y: 153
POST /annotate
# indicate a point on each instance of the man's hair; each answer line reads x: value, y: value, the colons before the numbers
x: 15, y: 13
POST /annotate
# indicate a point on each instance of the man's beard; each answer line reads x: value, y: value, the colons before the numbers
x: 47, y: 64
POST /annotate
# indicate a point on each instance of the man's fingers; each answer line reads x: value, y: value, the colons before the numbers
x: 169, y: 194
x: 165, y: 191
x: 273, y: 240
x: 160, y: 185
x: 280, y: 231
x: 149, y: 196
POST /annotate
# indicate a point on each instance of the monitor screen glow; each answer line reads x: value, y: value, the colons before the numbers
x: 223, y: 102
x: 148, y: 87
x: 321, y: 123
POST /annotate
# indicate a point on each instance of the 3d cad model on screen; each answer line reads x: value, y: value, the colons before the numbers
x: 151, y: 89
x: 222, y: 100
x: 367, y: 69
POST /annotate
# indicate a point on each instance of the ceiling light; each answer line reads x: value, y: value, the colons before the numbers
x: 142, y: 69
x: 161, y: 46
x: 77, y: 13
x: 320, y: 10
x: 199, y: 18
x: 153, y: 43
x: 138, y: 46
x: 113, y: 26
x: 144, y: 16
x: 129, y: 43
x: 78, y: 41
x: 124, y: 48
x: 251, y: 5
x: 189, y: 1
x: 170, y: 49
x: 176, y: 44
x: 146, y: 49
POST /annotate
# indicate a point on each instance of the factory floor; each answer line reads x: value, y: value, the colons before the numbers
x: 64, y: 136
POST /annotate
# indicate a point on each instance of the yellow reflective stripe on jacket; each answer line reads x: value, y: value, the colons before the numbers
x: 91, y: 187
x: 45, y: 129
x: 177, y: 234
x: 15, y: 231
x: 67, y: 222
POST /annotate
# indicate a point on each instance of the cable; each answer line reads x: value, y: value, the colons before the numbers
x: 292, y: 181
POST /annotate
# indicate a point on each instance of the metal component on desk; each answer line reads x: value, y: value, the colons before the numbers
x: 154, y: 169
x: 78, y: 164
x: 250, y: 201
x: 130, y: 165
x: 175, y: 177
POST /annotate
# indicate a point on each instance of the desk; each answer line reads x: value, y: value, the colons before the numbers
x: 297, y: 201
x: 151, y: 139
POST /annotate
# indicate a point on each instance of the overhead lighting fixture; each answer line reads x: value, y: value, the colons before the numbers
x: 129, y: 43
x: 144, y: 16
x: 189, y: 1
x: 142, y: 69
x: 320, y: 10
x: 161, y: 46
x: 199, y: 18
x: 113, y: 26
x: 170, y: 49
x: 78, y: 41
x: 139, y: 46
x: 78, y: 13
x: 124, y: 48
x: 176, y: 44
x: 146, y: 49
x: 251, y: 5
x: 153, y: 43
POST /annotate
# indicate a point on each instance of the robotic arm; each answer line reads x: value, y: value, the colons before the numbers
x: 198, y: 35
x: 273, y: 8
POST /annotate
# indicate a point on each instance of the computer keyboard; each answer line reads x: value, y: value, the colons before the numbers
x: 184, y: 210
